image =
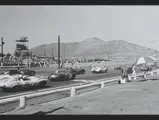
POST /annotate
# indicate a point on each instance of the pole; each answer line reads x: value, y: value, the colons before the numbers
x: 58, y: 51
x: 64, y: 51
x: 2, y: 49
x: 64, y: 57
x: 52, y: 53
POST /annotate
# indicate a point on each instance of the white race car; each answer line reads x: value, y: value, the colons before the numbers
x: 101, y: 69
x: 18, y: 82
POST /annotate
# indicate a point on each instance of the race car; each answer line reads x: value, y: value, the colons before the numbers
x: 127, y: 69
x: 145, y: 68
x: 117, y: 68
x: 24, y: 72
x: 19, y: 82
x: 62, y: 75
x: 76, y: 70
x: 101, y: 69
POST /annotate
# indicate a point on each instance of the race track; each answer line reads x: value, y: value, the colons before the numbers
x: 86, y: 78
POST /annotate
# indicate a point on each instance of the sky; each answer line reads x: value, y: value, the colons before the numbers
x: 42, y: 24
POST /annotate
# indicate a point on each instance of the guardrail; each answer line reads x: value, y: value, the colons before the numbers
x: 22, y: 99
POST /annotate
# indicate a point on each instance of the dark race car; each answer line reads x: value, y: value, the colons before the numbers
x: 127, y: 69
x: 76, y: 70
x: 24, y: 72
x: 117, y: 68
x: 62, y: 75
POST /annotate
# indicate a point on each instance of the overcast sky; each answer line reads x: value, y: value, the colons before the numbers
x: 42, y: 24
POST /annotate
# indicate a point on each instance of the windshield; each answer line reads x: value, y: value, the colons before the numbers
x: 61, y: 71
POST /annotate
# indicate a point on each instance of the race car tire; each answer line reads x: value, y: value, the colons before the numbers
x: 32, y: 73
x: 73, y: 77
x: 42, y: 84
x: 83, y: 71
x: 16, y: 88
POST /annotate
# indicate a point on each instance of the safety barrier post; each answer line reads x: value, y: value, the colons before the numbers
x: 129, y: 77
x: 151, y: 73
x: 134, y: 77
x: 22, y: 102
x: 73, y: 91
x: 102, y: 84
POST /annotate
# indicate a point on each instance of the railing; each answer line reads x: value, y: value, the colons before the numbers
x: 22, y: 99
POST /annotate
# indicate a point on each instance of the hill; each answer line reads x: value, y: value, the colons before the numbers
x: 93, y: 47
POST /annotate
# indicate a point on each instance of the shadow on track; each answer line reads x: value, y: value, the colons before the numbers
x: 25, y: 89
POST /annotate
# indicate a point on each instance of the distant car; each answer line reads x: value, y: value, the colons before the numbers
x: 145, y: 69
x: 18, y: 82
x: 24, y: 72
x: 117, y: 68
x: 77, y: 70
x: 62, y: 75
x: 101, y: 69
x: 127, y: 69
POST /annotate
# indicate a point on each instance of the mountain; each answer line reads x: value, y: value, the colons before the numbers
x: 93, y: 47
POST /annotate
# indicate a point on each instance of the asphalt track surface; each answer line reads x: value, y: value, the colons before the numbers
x: 86, y: 78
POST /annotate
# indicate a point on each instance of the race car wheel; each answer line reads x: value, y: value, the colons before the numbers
x: 42, y: 84
x: 83, y: 71
x: 32, y: 73
x: 17, y: 88
x: 73, y: 77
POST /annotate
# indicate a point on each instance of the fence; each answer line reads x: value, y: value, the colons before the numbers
x: 22, y: 99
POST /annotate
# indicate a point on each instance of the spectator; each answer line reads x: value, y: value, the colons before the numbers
x: 144, y: 76
x: 134, y: 72
x: 125, y: 75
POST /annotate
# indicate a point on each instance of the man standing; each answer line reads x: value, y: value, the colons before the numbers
x: 134, y: 72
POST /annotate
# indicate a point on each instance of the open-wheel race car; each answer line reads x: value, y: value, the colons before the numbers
x: 102, y: 69
x: 62, y: 75
x: 24, y: 72
x: 19, y: 82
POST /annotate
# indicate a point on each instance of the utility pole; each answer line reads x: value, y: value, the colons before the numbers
x: 58, y: 51
x: 64, y: 51
x: 2, y: 43
x: 52, y: 53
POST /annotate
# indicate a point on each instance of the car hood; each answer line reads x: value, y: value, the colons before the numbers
x: 53, y: 75
x: 33, y: 78
x: 9, y: 79
x: 8, y: 82
x: 96, y: 69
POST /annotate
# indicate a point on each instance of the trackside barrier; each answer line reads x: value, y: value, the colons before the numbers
x: 23, y: 99
x: 12, y: 66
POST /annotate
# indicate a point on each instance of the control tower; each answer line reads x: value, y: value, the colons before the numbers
x: 22, y: 50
